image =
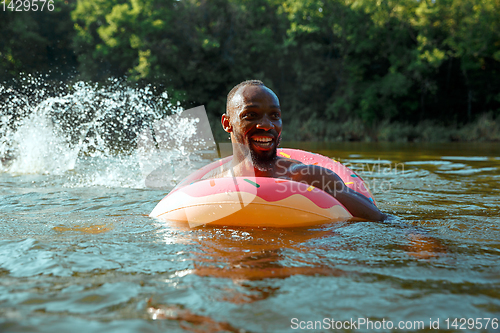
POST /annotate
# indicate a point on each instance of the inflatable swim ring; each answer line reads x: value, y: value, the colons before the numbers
x: 258, y: 201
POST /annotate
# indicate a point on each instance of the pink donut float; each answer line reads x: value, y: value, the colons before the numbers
x: 258, y: 201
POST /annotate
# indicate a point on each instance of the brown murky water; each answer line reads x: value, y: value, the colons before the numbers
x: 88, y: 257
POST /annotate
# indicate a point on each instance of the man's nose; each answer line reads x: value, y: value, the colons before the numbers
x: 265, y: 123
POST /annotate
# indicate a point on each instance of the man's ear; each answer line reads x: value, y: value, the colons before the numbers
x: 225, y: 123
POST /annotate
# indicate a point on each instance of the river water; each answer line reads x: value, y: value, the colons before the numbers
x: 78, y: 251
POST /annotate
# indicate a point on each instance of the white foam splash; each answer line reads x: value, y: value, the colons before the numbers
x: 93, y: 136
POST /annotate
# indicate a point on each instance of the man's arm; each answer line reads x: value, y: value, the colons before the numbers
x: 330, y: 182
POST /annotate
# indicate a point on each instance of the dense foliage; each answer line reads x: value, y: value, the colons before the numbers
x: 364, y: 62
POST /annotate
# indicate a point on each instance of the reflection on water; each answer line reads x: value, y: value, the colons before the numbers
x: 89, y: 257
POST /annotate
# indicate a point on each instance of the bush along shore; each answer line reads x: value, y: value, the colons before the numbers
x: 486, y: 128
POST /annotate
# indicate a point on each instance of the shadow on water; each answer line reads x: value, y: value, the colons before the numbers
x: 252, y: 257
x: 259, y: 253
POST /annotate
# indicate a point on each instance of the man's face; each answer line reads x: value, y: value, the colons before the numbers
x: 255, y: 122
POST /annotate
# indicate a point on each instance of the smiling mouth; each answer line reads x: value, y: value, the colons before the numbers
x: 262, y: 142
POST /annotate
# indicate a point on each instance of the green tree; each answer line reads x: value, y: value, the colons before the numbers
x: 37, y: 42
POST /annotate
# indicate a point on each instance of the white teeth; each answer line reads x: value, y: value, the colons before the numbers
x: 263, y: 139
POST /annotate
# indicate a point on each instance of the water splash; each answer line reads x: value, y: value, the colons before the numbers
x: 91, y: 135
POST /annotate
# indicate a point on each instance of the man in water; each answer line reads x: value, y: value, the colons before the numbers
x: 253, y: 118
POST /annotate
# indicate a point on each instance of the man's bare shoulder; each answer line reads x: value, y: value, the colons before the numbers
x: 284, y: 167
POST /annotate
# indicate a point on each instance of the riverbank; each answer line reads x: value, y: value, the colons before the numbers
x: 486, y: 128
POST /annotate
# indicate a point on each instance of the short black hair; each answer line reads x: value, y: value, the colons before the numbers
x: 238, y: 86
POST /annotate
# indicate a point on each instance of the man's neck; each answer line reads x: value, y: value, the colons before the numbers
x: 247, y: 168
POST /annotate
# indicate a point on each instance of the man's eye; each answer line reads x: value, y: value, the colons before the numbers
x: 276, y: 115
x: 249, y: 115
